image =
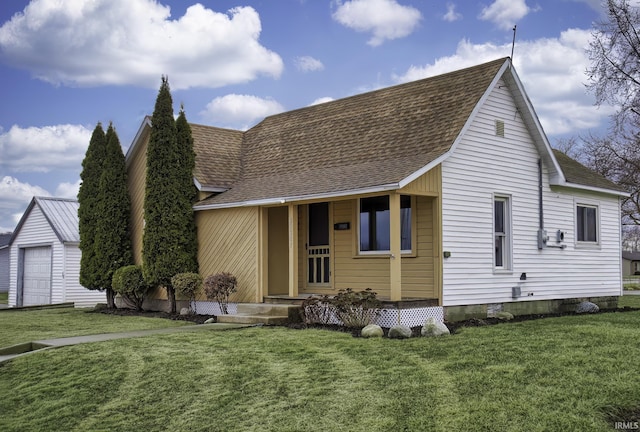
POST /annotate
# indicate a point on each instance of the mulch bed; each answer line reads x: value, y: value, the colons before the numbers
x: 453, y: 326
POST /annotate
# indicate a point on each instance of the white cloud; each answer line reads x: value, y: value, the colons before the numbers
x: 505, y: 13
x: 451, y: 14
x: 386, y: 19
x: 239, y: 111
x: 14, y: 198
x: 552, y: 74
x: 68, y: 190
x: 35, y: 149
x: 308, y: 64
x: 120, y: 42
x: 321, y: 100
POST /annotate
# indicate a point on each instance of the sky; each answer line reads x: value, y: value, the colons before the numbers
x: 66, y: 65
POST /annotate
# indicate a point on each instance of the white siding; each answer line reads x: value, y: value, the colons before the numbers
x: 4, y: 270
x: 483, y: 165
x: 36, y: 231
x: 74, y: 292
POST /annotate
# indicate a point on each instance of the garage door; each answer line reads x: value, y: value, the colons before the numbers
x: 36, y: 279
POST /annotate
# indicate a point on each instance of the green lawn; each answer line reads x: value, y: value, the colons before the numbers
x: 27, y: 325
x: 554, y: 374
x: 4, y: 298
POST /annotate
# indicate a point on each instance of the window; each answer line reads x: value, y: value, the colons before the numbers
x: 374, y: 224
x: 587, y: 223
x: 502, y: 233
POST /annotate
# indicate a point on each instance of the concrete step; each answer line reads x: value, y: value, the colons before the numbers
x: 267, y: 309
x: 262, y: 313
x: 253, y: 319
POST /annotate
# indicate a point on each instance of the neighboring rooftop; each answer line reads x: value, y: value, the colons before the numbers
x: 62, y: 215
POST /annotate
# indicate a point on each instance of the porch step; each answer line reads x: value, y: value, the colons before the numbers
x: 261, y: 313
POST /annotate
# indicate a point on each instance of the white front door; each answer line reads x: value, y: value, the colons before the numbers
x: 36, y: 276
x: 318, y: 256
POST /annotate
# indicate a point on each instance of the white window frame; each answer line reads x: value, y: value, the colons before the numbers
x: 506, y: 236
x: 587, y: 204
x: 412, y: 227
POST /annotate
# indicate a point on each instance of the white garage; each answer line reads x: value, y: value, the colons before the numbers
x: 45, y: 257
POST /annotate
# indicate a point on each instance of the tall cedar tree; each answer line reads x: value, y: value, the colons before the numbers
x: 169, y: 239
x: 189, y: 192
x: 112, y: 239
x: 88, y: 197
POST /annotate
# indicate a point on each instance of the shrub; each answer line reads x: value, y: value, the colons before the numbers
x: 317, y: 310
x: 129, y: 283
x: 187, y: 284
x: 356, y: 309
x: 219, y: 287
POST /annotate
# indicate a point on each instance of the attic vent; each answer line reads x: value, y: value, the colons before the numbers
x: 500, y: 128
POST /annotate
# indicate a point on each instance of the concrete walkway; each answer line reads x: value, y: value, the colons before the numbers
x: 14, y: 351
x: 631, y: 293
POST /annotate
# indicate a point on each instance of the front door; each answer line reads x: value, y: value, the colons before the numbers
x: 318, y: 257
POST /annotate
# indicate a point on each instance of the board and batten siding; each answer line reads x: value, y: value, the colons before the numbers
x: 228, y: 241
x: 484, y: 165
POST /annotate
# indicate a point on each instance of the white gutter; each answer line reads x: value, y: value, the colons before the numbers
x: 289, y: 199
x: 202, y: 188
x: 591, y: 189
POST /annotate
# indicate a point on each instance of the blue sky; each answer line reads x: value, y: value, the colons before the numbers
x: 68, y: 64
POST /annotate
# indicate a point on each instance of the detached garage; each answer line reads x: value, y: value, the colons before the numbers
x: 45, y: 257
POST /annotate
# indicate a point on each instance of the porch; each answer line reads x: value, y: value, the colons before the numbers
x: 389, y: 243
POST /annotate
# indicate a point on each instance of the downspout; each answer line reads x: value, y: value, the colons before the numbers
x: 542, y: 234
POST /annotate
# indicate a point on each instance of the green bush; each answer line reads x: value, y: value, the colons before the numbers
x: 187, y: 284
x: 129, y: 283
x: 219, y: 287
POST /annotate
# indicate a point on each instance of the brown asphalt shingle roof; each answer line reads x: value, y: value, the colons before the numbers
x: 363, y: 141
x: 218, y: 154
x: 575, y: 172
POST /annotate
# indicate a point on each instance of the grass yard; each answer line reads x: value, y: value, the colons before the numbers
x: 4, y: 298
x: 630, y: 301
x: 554, y: 374
x: 27, y: 325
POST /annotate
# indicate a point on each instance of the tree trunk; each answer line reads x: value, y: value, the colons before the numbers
x: 111, y: 295
x: 171, y: 295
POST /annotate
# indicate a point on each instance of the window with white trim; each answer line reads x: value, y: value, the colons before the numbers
x: 374, y: 224
x: 587, y: 223
x: 502, y: 233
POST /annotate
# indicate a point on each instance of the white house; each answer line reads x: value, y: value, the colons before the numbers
x: 45, y: 257
x: 4, y: 262
x: 443, y: 195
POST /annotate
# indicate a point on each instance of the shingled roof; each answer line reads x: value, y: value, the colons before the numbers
x: 363, y: 143
x: 370, y: 140
x: 577, y: 173
x: 218, y: 156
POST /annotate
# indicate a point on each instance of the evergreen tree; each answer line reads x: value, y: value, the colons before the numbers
x: 112, y: 239
x: 88, y: 197
x: 169, y: 234
x: 188, y: 192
